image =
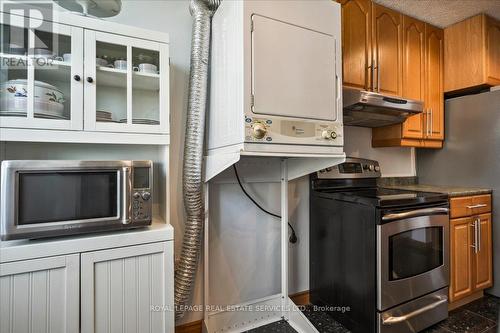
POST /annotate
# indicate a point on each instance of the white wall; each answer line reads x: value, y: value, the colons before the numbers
x: 394, y: 161
x: 245, y: 241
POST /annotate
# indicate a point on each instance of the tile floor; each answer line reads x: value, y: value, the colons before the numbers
x: 480, y: 316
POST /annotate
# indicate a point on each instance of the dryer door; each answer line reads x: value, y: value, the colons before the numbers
x: 293, y: 71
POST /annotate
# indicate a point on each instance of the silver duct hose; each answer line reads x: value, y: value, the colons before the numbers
x: 201, y: 11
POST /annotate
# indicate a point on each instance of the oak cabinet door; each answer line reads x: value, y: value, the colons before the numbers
x: 356, y: 43
x: 493, y: 50
x: 387, y: 48
x: 482, y: 259
x: 413, y: 72
x: 434, y: 99
x: 460, y: 258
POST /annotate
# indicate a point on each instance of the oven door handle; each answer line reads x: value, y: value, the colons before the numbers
x: 415, y: 213
x: 399, y: 319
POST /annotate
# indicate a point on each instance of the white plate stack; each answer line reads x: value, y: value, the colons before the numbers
x: 141, y: 121
x: 104, y: 116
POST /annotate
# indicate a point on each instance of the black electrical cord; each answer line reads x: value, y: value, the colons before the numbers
x: 293, y: 236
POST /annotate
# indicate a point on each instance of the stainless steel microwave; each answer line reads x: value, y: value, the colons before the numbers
x: 53, y: 198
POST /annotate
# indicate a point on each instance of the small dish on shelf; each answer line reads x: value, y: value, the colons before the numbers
x: 141, y: 121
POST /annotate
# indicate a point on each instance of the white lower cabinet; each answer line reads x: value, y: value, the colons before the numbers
x: 40, y: 295
x: 125, y: 289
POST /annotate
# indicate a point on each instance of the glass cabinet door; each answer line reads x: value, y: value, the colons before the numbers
x: 40, y: 76
x: 126, y: 84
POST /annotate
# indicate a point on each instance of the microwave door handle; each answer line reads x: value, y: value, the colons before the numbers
x: 126, y: 204
x: 415, y: 213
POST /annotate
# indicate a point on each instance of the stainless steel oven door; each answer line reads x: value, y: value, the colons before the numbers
x: 412, y: 255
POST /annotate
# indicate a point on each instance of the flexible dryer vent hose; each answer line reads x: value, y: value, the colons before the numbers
x: 201, y: 11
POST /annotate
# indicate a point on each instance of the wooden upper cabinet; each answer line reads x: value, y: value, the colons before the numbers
x: 413, y: 72
x: 472, y: 54
x: 387, y: 42
x: 434, y: 81
x: 356, y: 43
x: 492, y: 31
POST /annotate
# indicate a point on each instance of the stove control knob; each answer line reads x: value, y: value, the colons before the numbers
x: 136, y: 195
x: 259, y: 130
x: 326, y: 134
x: 365, y: 167
x: 377, y: 168
x: 371, y: 167
x: 333, y: 135
x: 146, y: 196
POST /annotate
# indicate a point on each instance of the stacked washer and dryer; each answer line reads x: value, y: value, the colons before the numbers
x: 275, y: 94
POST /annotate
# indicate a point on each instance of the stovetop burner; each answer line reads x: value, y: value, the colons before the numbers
x: 356, y: 181
x: 385, y: 197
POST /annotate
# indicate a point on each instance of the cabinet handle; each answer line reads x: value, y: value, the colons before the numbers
x: 476, y: 245
x: 378, y: 77
x: 476, y: 206
x: 432, y: 123
x: 369, y: 77
x: 90, y: 80
x: 76, y: 77
x: 427, y: 123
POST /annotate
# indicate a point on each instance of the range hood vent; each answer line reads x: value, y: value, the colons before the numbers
x: 369, y: 109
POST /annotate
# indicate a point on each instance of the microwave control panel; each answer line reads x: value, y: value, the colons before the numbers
x: 141, y: 206
x: 279, y: 130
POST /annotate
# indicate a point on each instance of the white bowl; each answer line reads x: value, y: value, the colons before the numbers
x: 43, y: 91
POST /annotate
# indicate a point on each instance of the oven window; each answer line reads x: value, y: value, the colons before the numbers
x: 414, y: 252
x: 66, y: 196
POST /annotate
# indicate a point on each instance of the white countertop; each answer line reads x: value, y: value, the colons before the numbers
x: 15, y: 250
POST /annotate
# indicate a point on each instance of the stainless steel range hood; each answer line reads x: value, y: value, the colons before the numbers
x: 369, y: 109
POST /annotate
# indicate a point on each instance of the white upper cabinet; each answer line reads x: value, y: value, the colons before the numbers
x: 38, y: 89
x: 123, y: 80
x: 79, y: 77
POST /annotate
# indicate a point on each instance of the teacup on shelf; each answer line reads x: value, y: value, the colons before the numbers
x: 146, y: 68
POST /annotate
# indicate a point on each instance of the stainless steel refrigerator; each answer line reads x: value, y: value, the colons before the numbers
x: 470, y: 156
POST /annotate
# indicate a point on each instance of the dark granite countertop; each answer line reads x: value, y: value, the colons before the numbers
x: 452, y: 191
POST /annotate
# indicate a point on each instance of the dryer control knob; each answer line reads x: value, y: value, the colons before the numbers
x: 259, y: 130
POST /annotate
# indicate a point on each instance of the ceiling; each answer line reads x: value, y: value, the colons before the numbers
x: 443, y: 13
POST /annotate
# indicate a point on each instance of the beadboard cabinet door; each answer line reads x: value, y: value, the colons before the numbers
x: 128, y: 289
x: 40, y: 295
